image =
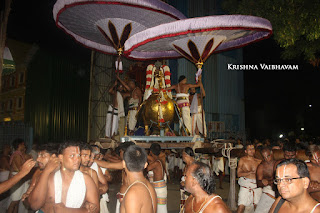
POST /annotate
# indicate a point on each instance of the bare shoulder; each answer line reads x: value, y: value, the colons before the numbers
x: 309, y: 164
x: 242, y: 159
x: 257, y: 160
x: 88, y: 181
x: 218, y: 206
x: 136, y: 192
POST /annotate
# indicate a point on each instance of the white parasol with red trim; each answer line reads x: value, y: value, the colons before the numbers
x: 197, y: 38
x: 105, y: 25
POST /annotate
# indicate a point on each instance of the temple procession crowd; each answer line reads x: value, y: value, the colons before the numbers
x: 74, y: 177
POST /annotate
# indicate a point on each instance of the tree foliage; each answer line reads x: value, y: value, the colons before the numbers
x: 295, y: 23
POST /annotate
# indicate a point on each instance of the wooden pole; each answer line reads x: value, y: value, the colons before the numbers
x: 232, y: 191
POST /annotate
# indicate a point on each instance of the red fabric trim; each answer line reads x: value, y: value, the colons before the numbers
x: 149, y: 72
x: 148, y: 79
x: 166, y: 73
x: 183, y: 105
x: 168, y: 81
x: 164, y: 102
x: 120, y: 71
x: 197, y: 31
x: 119, y: 3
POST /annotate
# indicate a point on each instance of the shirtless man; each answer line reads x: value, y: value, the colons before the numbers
x: 289, y: 152
x: 4, y: 163
x: 200, y: 183
x: 183, y: 99
x: 159, y: 183
x: 140, y: 195
x: 25, y: 169
x: 115, y: 116
x: 314, y: 170
x: 62, y: 187
x: 135, y: 95
x: 292, y: 179
x: 17, y: 159
x: 197, y: 113
x: 85, y: 151
x: 118, y: 165
x: 249, y: 194
x: 265, y: 176
x: 45, y: 152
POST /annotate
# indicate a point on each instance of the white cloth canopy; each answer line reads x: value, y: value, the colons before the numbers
x: 104, y: 25
x: 225, y: 31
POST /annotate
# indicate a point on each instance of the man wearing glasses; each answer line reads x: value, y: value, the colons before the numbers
x: 292, y: 180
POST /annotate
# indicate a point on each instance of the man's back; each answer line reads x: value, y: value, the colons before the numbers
x: 139, y: 197
x: 213, y: 203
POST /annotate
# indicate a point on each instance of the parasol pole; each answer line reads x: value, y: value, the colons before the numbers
x: 199, y: 66
x: 120, y: 50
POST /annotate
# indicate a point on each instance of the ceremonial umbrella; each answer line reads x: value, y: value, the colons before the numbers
x: 197, y: 38
x: 105, y: 25
x: 8, y: 64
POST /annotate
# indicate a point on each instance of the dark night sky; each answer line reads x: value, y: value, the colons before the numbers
x: 279, y: 94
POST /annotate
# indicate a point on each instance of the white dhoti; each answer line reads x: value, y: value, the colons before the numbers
x: 19, y: 189
x: 217, y: 165
x: 76, y: 191
x: 119, y: 197
x: 4, y: 175
x: 266, y: 200
x: 133, y: 110
x: 249, y: 194
x: 132, y: 120
x: 197, y: 122
x: 150, y: 176
x: 5, y: 198
x: 103, y: 203
x: 161, y: 191
x: 183, y: 104
x: 205, y: 159
x: 171, y: 159
x: 112, y: 116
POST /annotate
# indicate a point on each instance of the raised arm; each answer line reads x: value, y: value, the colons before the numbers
x: 172, y: 87
x: 202, y: 90
x: 38, y: 195
x: 34, y: 179
x: 101, y: 177
x: 195, y: 85
x: 112, y: 89
x: 25, y: 169
x: 108, y: 165
x: 260, y: 181
x: 123, y: 83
